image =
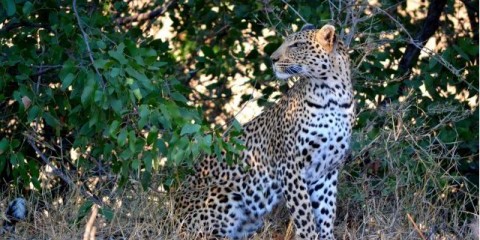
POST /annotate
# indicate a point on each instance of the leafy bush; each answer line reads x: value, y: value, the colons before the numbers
x: 81, y: 82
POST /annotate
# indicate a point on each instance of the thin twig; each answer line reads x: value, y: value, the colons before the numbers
x: 295, y: 11
x: 415, y: 226
x: 85, y: 39
x: 431, y: 53
x: 332, y: 8
x: 44, y: 69
x: 430, y: 26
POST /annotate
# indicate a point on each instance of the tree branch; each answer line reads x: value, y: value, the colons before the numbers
x: 140, y: 18
x: 14, y: 25
x: 85, y: 39
x: 430, y: 25
x: 472, y: 13
x: 45, y: 70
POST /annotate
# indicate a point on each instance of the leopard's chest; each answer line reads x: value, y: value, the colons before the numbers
x: 323, y: 140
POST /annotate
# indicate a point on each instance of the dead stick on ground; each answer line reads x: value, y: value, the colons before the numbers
x: 89, y: 228
x: 415, y: 226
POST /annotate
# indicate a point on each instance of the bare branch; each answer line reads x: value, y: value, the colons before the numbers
x: 431, y: 53
x: 430, y: 25
x: 295, y: 11
x: 43, y: 70
x: 85, y: 39
x: 472, y: 13
x: 140, y: 18
x: 14, y: 25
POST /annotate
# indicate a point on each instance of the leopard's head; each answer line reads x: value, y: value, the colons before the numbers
x: 308, y: 53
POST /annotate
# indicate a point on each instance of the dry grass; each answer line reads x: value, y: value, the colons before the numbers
x: 395, y: 204
x: 146, y: 215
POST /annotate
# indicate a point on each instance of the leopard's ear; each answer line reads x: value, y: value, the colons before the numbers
x: 307, y: 26
x: 326, y: 37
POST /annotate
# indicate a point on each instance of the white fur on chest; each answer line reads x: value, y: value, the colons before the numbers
x: 323, y: 141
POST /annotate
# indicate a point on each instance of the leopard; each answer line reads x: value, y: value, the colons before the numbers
x: 294, y: 149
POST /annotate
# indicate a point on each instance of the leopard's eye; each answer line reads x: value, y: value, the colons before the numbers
x: 294, y: 45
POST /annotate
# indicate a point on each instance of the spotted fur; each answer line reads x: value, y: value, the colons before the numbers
x: 294, y: 149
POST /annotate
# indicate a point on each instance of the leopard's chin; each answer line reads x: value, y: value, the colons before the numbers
x: 282, y: 75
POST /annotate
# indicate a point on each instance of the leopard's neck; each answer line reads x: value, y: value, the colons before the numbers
x: 328, y: 93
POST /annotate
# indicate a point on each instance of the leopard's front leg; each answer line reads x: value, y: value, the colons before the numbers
x: 323, y: 194
x: 295, y: 191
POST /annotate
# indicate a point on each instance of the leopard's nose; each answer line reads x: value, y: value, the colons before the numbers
x: 275, y: 56
x: 274, y: 59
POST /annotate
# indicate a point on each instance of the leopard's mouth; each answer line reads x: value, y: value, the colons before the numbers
x: 287, y: 71
x: 294, y: 69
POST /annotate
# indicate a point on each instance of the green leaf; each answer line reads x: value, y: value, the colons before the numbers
x: 33, y: 113
x: 148, y: 161
x: 461, y: 52
x: 392, y: 89
x: 136, y: 91
x: 178, y: 97
x: 236, y: 125
x: 205, y: 143
x: 99, y: 96
x: 208, y: 52
x: 152, y: 136
x: 122, y: 137
x: 178, y: 156
x: 217, y: 150
x: 162, y: 147
x: 132, y: 139
x: 107, y: 213
x: 146, y: 179
x: 101, y: 44
x: 34, y: 172
x: 190, y: 128
x: 86, y: 94
x: 135, y: 164
x: 93, y: 120
x: 100, y: 63
x: 27, y: 8
x: 140, y: 77
x: 83, y: 210
x: 50, y: 120
x: 113, y: 128
x: 3, y: 145
x: 118, y: 54
x: 144, y: 113
x: 116, y: 106
x: 126, y: 154
x: 115, y: 72
x: 195, y: 149
x: 67, y: 81
x: 9, y: 6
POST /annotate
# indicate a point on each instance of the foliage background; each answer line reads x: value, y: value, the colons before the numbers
x: 100, y: 98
